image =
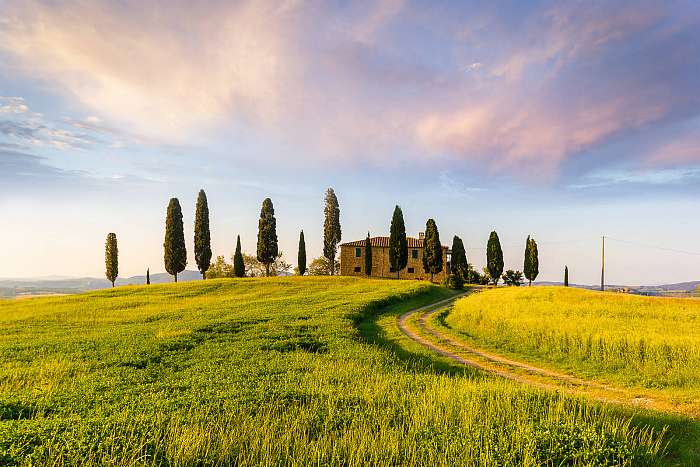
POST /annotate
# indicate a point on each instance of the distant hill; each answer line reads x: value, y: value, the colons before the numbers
x: 62, y: 285
x: 680, y: 288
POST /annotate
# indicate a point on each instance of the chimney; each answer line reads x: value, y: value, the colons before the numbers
x: 421, y: 235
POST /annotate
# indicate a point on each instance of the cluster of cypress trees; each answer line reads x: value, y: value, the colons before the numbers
x: 531, y: 266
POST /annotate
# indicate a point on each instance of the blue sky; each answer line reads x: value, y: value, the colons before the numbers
x: 566, y: 121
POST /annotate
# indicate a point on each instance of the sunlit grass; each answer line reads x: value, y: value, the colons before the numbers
x: 273, y: 372
x: 646, y: 341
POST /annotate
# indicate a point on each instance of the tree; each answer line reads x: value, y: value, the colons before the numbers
x: 432, y: 249
x: 148, y: 276
x: 301, y: 257
x: 513, y: 278
x: 398, y: 245
x: 532, y: 262
x: 175, y: 253
x: 254, y: 268
x: 111, y: 258
x: 331, y: 228
x: 238, y: 266
x: 368, y: 256
x: 494, y: 257
x: 220, y: 269
x: 202, y: 236
x: 566, y: 276
x: 321, y: 267
x: 528, y: 260
x: 459, y: 264
x: 267, y: 235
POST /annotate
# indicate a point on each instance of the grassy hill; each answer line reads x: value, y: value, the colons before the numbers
x: 650, y: 343
x: 275, y: 371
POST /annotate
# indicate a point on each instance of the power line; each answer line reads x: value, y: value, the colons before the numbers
x: 655, y: 247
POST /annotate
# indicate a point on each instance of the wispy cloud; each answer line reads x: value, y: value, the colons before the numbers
x: 355, y: 85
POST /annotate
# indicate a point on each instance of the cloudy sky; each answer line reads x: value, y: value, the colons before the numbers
x: 564, y: 120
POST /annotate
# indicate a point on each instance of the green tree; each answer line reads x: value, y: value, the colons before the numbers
x: 301, y: 258
x: 532, y: 262
x: 175, y: 253
x: 432, y: 249
x: 238, y: 266
x: 528, y: 259
x: 398, y: 245
x: 111, y: 258
x: 267, y: 235
x: 368, y: 256
x: 494, y: 258
x: 331, y: 228
x: 202, y: 236
x: 148, y: 276
x: 513, y: 278
x: 321, y: 267
x: 566, y: 276
x: 220, y: 269
x: 459, y: 265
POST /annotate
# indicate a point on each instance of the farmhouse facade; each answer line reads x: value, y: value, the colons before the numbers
x: 352, y: 260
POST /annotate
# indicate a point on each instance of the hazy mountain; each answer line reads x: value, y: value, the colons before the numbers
x: 43, y: 286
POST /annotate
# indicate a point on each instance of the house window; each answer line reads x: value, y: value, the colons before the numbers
x: 358, y: 252
x: 411, y: 270
x: 358, y: 269
x: 414, y: 254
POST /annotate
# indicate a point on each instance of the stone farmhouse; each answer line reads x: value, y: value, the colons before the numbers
x: 352, y: 259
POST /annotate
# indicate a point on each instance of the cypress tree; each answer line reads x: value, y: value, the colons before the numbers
x: 368, y: 256
x: 398, y: 245
x: 527, y: 264
x: 175, y: 253
x: 301, y: 258
x: 202, y: 237
x: 111, y: 258
x: 494, y: 257
x: 460, y: 267
x: 238, y: 266
x: 566, y: 276
x: 432, y: 249
x: 267, y: 235
x: 331, y: 228
x: 532, y: 262
x: 148, y: 276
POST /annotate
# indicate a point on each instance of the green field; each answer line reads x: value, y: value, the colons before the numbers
x: 289, y: 371
x: 645, y: 342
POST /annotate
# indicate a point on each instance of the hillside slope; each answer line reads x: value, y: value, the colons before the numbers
x: 271, y: 371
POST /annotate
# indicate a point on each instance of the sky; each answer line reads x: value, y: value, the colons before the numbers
x: 566, y: 121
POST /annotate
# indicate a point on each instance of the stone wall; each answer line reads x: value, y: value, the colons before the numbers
x: 349, y: 264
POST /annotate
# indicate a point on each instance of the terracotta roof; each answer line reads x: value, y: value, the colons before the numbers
x: 383, y: 242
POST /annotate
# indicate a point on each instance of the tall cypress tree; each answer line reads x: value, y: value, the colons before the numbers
x: 202, y: 236
x: 301, y: 258
x: 398, y: 245
x: 532, y: 262
x: 175, y: 253
x: 527, y: 263
x: 494, y: 257
x: 368, y: 256
x: 267, y: 235
x: 148, y: 276
x: 111, y: 258
x: 432, y: 249
x: 566, y: 276
x: 459, y: 264
x: 331, y: 228
x: 238, y: 266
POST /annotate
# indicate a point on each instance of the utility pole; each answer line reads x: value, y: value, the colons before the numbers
x: 602, y: 269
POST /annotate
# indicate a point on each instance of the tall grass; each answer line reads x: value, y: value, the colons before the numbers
x: 269, y: 372
x: 648, y: 341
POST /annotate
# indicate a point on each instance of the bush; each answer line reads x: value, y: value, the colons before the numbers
x: 454, y: 281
